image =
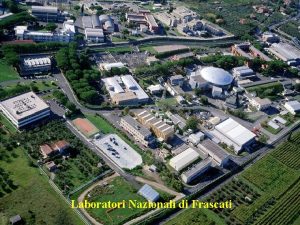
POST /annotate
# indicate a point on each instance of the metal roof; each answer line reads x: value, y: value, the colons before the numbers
x: 184, y: 159
x: 235, y: 131
x: 149, y: 193
x: 216, y: 76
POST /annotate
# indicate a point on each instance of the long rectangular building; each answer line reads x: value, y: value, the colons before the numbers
x: 184, y: 159
x: 159, y: 128
x: 286, y: 53
x: 140, y: 133
x: 24, y: 109
x: 196, y: 170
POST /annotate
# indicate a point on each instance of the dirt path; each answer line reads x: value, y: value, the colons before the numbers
x: 82, y: 196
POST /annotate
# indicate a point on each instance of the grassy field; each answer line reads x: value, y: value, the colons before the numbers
x: 7, y: 72
x: 34, y: 199
x: 271, y: 90
x: 114, y: 50
x: 168, y: 102
x: 196, y: 217
x: 7, y: 124
x: 117, y: 190
x: 101, y: 124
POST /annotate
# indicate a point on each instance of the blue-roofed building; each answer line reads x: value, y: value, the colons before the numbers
x: 149, y: 193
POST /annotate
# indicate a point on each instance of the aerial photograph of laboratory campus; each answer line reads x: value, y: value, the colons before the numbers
x: 187, y: 103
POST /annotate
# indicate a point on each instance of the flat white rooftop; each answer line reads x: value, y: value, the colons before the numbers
x: 119, y: 151
x: 235, y: 132
x: 115, y: 85
x: 184, y: 159
x: 24, y: 105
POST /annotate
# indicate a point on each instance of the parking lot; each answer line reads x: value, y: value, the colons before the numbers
x: 119, y: 151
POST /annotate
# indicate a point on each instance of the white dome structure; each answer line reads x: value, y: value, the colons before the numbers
x: 216, y: 76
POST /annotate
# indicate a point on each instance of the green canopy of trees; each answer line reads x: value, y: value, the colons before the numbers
x: 77, y: 70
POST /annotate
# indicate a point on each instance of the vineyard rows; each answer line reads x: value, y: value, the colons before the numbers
x: 288, y: 154
x: 285, y: 210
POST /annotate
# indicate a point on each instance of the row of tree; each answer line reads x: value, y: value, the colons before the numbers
x: 83, y: 79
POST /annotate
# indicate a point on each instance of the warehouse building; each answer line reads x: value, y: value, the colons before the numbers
x: 293, y: 107
x: 161, y: 130
x: 124, y: 90
x: 139, y: 132
x: 184, y: 159
x: 24, y: 109
x: 47, y: 13
x: 30, y: 66
x: 234, y: 134
x: 286, y: 53
x: 219, y: 156
x: 94, y: 35
x: 243, y: 72
x: 196, y: 170
x: 149, y: 193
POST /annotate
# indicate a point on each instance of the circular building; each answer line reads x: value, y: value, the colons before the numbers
x: 216, y: 77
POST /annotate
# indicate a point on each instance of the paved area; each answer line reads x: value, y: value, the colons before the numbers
x: 119, y: 151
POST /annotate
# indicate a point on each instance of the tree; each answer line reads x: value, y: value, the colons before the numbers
x: 76, y: 7
x: 192, y: 123
x: 12, y: 58
x: 51, y: 27
x: 204, y: 100
x: 125, y: 32
x: 199, y: 91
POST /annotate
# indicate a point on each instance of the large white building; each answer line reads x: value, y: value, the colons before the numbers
x: 293, y: 107
x: 66, y: 34
x: 124, y: 90
x: 24, y: 109
x: 234, y: 134
x: 184, y: 159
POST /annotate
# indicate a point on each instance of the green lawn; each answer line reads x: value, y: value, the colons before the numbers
x: 101, y: 124
x: 8, y: 125
x: 7, y: 72
x: 196, y: 217
x: 169, y: 102
x: 147, y: 48
x: 34, y: 199
x: 117, y: 190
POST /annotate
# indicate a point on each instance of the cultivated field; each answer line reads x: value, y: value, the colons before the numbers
x: 117, y: 190
x: 85, y: 127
